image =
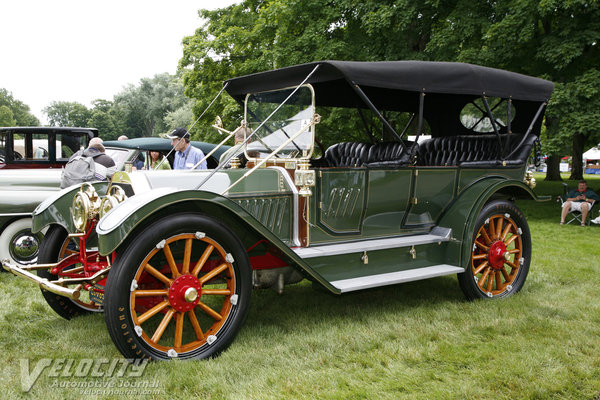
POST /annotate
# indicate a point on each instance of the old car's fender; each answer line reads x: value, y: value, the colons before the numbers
x: 462, y: 214
x: 124, y: 219
x: 56, y: 208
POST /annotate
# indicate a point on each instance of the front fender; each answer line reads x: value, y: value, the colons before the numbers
x: 462, y: 214
x: 56, y: 208
x: 120, y: 222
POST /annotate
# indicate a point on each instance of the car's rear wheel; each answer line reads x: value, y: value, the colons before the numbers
x: 181, y: 289
x: 501, y: 253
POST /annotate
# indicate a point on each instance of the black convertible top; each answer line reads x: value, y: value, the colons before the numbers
x: 410, y: 76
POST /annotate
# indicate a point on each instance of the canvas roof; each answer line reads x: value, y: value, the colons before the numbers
x: 412, y: 76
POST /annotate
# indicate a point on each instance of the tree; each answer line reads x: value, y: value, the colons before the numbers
x: 6, y: 117
x: 183, y: 116
x: 259, y: 35
x: 64, y: 113
x: 20, y: 112
x: 145, y: 107
x: 556, y: 40
x: 107, y: 119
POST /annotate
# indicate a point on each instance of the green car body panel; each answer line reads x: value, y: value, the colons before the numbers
x: 265, y: 205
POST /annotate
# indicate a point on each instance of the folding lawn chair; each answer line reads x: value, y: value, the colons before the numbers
x: 574, y: 215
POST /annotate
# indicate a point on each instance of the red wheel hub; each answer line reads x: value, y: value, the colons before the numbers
x: 185, y: 293
x: 496, y: 254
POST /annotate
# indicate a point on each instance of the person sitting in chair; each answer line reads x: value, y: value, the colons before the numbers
x: 580, y: 199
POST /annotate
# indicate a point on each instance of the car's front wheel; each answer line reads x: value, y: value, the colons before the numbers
x: 181, y: 289
x: 501, y: 253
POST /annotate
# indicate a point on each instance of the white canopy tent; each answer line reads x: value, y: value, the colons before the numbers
x: 592, y: 154
x: 591, y: 161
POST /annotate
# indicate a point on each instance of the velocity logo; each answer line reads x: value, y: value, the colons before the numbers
x: 87, y: 367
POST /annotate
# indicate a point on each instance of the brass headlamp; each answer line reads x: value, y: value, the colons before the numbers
x: 86, y: 205
x: 115, y: 196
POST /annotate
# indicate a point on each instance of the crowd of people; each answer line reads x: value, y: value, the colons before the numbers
x: 93, y: 163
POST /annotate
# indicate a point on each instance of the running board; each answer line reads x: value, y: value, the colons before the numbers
x: 371, y: 281
x: 437, y: 234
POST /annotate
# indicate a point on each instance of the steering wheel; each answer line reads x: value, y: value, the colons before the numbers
x: 17, y: 155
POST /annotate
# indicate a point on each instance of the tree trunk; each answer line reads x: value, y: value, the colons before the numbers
x: 577, y: 159
x: 553, y: 168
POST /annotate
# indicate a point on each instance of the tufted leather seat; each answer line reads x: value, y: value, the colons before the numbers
x: 467, y: 151
x: 351, y: 154
x: 347, y: 154
x: 476, y: 151
x: 389, y: 155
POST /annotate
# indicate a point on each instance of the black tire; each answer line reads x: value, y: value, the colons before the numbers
x: 136, y: 330
x: 52, y: 249
x: 501, y: 253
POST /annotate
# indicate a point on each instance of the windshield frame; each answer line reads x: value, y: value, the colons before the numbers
x: 303, y: 154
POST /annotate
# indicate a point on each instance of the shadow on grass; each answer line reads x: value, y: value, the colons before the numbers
x: 301, y: 302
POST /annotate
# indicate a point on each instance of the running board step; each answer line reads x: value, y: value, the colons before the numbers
x: 437, y: 234
x: 371, y: 281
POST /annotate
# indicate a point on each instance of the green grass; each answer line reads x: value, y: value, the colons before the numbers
x: 419, y: 340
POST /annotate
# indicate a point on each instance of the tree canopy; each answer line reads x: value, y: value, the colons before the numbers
x: 554, y: 39
x: 15, y: 113
x: 154, y: 106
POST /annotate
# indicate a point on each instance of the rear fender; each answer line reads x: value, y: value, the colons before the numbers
x: 462, y: 215
x: 119, y: 226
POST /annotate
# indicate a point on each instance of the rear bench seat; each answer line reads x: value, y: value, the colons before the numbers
x: 475, y: 151
x: 467, y: 151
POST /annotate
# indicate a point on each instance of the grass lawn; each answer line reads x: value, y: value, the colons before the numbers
x: 419, y: 340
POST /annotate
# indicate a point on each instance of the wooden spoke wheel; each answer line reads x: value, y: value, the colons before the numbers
x: 181, y: 291
x: 501, y: 253
x: 55, y: 247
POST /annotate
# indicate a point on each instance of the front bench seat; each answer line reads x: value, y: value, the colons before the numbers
x: 346, y: 154
x: 389, y: 155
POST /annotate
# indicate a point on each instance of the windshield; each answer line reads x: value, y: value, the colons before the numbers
x: 291, y: 123
x: 119, y: 156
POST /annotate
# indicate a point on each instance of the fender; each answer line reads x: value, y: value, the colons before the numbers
x: 56, y: 208
x: 121, y: 221
x: 462, y: 214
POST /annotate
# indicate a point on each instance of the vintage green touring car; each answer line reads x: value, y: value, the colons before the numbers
x: 171, y: 257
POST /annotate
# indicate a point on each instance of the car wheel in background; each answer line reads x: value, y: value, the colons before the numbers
x: 55, y: 247
x: 18, y: 244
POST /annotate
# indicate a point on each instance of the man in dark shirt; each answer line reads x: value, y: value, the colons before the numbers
x: 88, y: 165
x: 580, y: 199
x: 105, y: 165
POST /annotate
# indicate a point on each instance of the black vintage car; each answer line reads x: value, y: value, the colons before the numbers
x: 172, y: 259
x: 40, y: 146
